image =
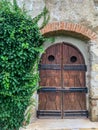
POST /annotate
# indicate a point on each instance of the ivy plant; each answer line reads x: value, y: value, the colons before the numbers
x: 20, y: 46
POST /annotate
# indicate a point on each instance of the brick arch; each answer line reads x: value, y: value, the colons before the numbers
x: 73, y: 29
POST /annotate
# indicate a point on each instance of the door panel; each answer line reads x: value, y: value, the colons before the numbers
x: 54, y: 51
x: 74, y: 101
x: 50, y: 78
x: 50, y: 101
x: 71, y: 55
x: 74, y: 79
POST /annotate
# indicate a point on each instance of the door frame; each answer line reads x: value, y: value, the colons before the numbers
x: 67, y: 43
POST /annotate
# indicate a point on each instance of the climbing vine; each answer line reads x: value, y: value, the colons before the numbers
x: 20, y: 46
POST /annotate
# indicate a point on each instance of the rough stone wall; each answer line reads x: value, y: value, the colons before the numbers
x: 93, y: 81
x: 80, y: 12
x: 76, y: 11
x: 33, y: 7
x: 70, y: 10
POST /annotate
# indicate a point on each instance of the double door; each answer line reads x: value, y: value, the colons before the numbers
x: 62, y: 79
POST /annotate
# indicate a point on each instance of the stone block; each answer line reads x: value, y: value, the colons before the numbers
x: 95, y: 67
x: 94, y: 109
x: 94, y: 93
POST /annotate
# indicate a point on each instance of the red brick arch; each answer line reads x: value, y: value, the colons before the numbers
x: 70, y: 29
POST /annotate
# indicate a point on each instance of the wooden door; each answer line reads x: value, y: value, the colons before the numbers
x: 62, y: 80
x: 74, y: 101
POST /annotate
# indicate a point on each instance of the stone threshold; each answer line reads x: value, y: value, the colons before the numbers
x: 62, y: 124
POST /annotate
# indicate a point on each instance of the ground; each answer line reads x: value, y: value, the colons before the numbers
x: 62, y: 124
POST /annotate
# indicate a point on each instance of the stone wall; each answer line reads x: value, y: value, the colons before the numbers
x: 76, y: 12
x: 93, y: 80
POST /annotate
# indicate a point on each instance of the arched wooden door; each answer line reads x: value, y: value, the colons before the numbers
x: 62, y: 80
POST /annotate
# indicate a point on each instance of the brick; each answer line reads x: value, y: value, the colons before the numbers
x: 78, y: 28
x: 93, y: 36
x: 62, y: 25
x: 65, y: 26
x: 56, y: 26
